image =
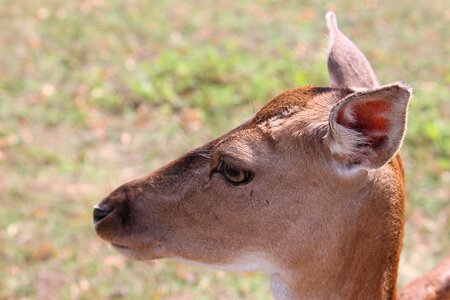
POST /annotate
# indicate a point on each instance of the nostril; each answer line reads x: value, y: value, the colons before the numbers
x: 101, y: 211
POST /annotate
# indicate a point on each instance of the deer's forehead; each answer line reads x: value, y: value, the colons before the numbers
x: 245, y: 144
x: 283, y: 114
x: 257, y: 137
x: 287, y: 103
x: 296, y: 112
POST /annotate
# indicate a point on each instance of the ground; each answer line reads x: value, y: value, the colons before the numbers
x: 94, y: 93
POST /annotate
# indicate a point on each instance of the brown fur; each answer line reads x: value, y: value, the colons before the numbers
x: 282, y: 105
x: 163, y: 221
x: 434, y: 286
x: 324, y: 211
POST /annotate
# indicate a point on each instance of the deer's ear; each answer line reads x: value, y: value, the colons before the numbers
x: 366, y: 129
x: 347, y: 66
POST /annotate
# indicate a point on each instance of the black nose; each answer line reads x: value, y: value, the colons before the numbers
x: 101, y: 211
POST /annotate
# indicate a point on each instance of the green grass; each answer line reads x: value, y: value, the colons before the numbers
x: 93, y: 93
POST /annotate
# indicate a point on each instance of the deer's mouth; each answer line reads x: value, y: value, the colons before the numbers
x: 120, y: 247
x: 144, y: 253
x: 125, y: 250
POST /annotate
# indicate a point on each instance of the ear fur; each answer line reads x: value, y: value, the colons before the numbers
x: 347, y: 66
x: 366, y: 129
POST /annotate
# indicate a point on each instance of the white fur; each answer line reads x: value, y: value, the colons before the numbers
x: 280, y: 290
x: 253, y: 262
x: 345, y: 141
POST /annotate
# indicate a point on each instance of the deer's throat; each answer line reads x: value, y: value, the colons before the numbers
x: 359, y: 260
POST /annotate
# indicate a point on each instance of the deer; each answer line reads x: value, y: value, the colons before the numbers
x: 310, y: 189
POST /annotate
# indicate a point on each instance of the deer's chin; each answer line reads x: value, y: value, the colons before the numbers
x: 142, y: 254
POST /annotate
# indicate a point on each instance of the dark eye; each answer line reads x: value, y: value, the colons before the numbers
x: 234, y: 175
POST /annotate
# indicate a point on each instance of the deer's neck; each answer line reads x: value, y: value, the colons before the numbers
x: 355, y: 279
x: 361, y: 259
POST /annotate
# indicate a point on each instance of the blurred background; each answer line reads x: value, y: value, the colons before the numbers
x: 94, y: 93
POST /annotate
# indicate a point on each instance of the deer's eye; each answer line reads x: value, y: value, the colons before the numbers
x: 234, y: 175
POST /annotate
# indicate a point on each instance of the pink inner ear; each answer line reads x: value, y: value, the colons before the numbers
x: 368, y: 117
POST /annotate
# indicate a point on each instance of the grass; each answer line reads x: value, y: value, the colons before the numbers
x: 93, y: 93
